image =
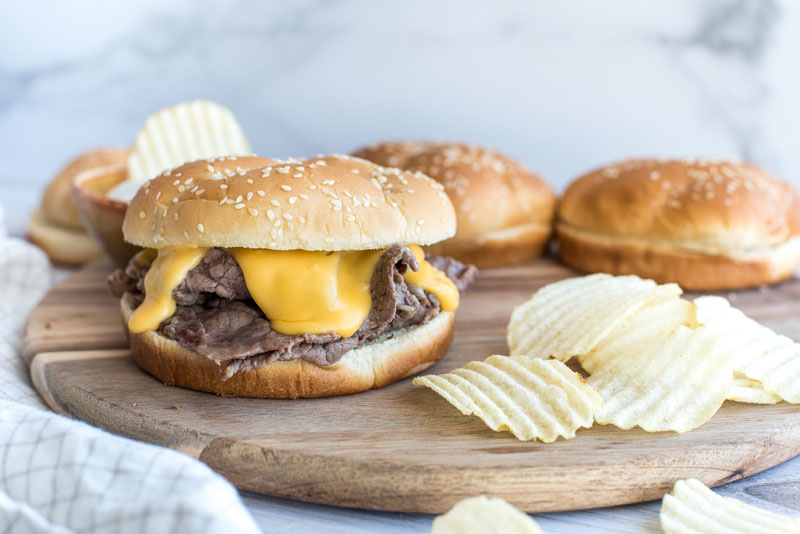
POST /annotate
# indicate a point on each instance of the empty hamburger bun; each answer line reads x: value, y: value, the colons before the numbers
x: 504, y: 212
x: 327, y: 203
x: 56, y: 227
x: 707, y: 225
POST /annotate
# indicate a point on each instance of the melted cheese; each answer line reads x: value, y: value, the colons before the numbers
x: 167, y: 271
x: 304, y: 292
x: 433, y: 280
x: 301, y: 292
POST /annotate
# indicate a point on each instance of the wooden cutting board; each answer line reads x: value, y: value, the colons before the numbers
x: 400, y: 448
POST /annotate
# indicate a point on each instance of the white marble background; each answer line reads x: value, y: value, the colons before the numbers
x: 561, y: 86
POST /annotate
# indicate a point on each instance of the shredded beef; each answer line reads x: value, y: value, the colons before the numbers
x: 216, y: 317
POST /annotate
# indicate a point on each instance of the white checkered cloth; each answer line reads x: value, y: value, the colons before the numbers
x: 59, y: 475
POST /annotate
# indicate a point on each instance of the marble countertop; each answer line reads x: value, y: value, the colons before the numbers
x: 776, y: 489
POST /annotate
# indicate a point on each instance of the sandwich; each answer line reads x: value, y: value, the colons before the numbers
x: 286, y: 279
x: 707, y: 225
x: 504, y: 212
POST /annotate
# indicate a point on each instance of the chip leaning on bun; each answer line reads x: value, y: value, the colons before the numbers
x: 285, y: 279
x: 504, y: 211
x: 707, y: 225
x: 56, y: 226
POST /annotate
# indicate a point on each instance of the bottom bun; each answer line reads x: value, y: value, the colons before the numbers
x: 592, y: 252
x: 499, y: 248
x: 63, y: 244
x: 373, y: 365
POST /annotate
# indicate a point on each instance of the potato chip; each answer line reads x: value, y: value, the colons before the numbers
x: 673, y: 380
x: 759, y: 353
x: 482, y: 515
x: 750, y: 391
x: 531, y: 397
x: 570, y: 317
x: 186, y: 132
x: 692, y: 508
x: 639, y: 328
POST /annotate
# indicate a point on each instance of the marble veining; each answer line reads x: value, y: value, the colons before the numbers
x: 563, y: 87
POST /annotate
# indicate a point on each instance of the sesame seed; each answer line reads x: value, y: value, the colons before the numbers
x: 176, y: 182
x: 298, y: 175
x: 158, y: 195
x: 200, y: 227
x: 188, y: 181
x: 249, y: 180
x: 175, y: 216
x: 728, y: 202
x: 312, y: 187
x: 252, y: 211
x: 302, y: 219
x: 238, y: 206
x: 241, y: 172
x: 274, y: 202
x: 655, y: 175
x: 195, y: 188
x: 178, y: 174
x: 147, y: 191
x: 303, y: 196
x: 354, y: 171
x: 283, y: 170
x: 181, y: 189
x: 292, y: 200
x: 142, y: 215
x: 200, y: 191
x: 287, y: 216
x: 270, y: 214
x: 210, y: 168
x: 286, y: 188
x: 261, y: 193
x: 351, y: 218
x: 223, y: 201
x: 321, y: 163
x: 239, y: 199
x: 249, y: 195
x: 223, y: 186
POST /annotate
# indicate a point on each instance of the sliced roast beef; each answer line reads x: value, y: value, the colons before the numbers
x: 216, y: 317
x: 461, y: 274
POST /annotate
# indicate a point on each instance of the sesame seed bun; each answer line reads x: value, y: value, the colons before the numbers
x: 373, y: 365
x: 324, y: 203
x: 504, y: 212
x: 706, y: 225
x: 57, y: 203
x: 56, y: 227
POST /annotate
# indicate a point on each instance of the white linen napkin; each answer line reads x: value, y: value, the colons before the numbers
x: 59, y: 475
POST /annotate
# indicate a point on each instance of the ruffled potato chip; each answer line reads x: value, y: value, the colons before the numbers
x: 482, y: 515
x: 186, y: 132
x: 692, y: 508
x: 568, y: 318
x: 531, y: 397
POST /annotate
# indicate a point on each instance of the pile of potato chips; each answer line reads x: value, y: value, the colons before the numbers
x: 654, y: 360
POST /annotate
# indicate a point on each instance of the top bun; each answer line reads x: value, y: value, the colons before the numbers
x: 710, y: 207
x: 324, y: 203
x: 489, y: 190
x: 58, y: 204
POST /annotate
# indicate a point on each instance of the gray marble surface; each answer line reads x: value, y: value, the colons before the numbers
x: 563, y: 87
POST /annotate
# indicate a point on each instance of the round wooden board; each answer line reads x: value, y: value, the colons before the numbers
x: 401, y: 448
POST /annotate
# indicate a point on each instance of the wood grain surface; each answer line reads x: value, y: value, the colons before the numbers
x: 401, y: 448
